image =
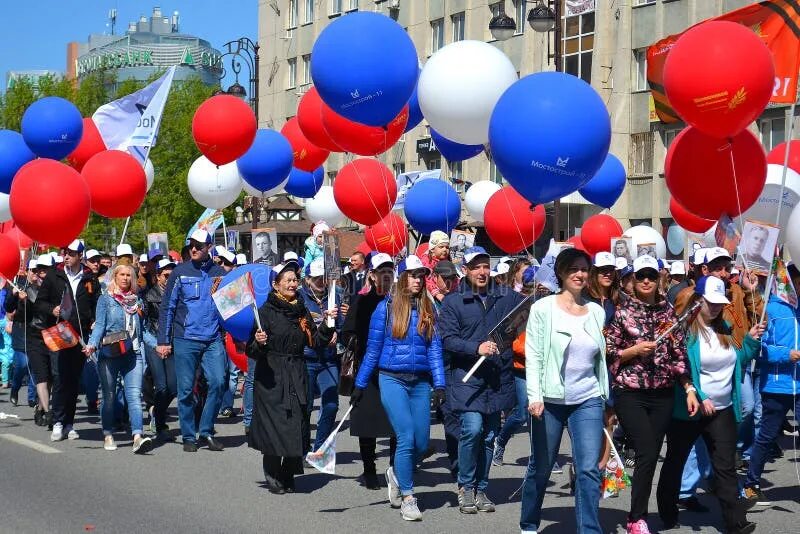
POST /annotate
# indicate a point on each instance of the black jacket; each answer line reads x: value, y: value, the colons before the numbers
x: 22, y: 317
x: 152, y: 303
x: 52, y: 292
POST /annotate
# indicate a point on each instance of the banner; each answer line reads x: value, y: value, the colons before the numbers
x: 61, y: 336
x: 777, y: 22
x: 578, y: 7
x: 782, y: 286
x: 232, y: 298
x: 209, y: 221
x: 407, y: 179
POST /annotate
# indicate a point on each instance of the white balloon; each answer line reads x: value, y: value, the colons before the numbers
x: 5, y: 210
x: 477, y: 197
x: 766, y: 207
x: 647, y: 234
x: 676, y: 239
x: 323, y: 207
x: 459, y: 87
x: 793, y: 235
x: 214, y: 187
x: 150, y: 173
x: 252, y: 191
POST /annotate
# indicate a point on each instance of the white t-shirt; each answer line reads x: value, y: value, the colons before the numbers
x: 577, y: 370
x: 717, y: 365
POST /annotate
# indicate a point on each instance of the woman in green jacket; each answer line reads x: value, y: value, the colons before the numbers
x: 716, y: 367
x: 567, y: 386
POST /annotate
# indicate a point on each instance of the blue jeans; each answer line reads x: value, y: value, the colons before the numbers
x: 189, y: 355
x: 20, y: 371
x: 408, y: 407
x: 90, y: 381
x: 585, y: 425
x: 247, y: 392
x: 774, y: 406
x: 164, y: 381
x: 746, y: 430
x: 475, y: 447
x: 519, y: 416
x: 130, y: 368
x: 231, y: 378
x: 696, y: 468
x: 323, y: 380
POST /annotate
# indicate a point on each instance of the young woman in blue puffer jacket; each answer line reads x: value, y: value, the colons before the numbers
x: 404, y: 346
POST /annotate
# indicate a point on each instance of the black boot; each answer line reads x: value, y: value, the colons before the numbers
x: 271, y: 465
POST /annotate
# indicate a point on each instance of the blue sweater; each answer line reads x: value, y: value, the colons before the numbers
x: 777, y: 372
x: 412, y: 354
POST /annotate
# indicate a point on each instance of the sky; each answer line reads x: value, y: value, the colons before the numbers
x: 35, y: 33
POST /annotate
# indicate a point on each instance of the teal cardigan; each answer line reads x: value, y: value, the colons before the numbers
x: 749, y: 350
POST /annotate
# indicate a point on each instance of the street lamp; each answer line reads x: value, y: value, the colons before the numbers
x: 542, y: 18
x: 502, y: 26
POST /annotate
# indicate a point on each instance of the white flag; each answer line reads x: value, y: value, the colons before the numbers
x: 133, y: 120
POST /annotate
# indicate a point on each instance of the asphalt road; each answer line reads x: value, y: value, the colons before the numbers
x: 76, y: 486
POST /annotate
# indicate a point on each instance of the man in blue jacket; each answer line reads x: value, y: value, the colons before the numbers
x: 188, y: 320
x: 467, y: 316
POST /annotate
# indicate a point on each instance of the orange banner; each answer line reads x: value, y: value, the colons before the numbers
x: 777, y: 22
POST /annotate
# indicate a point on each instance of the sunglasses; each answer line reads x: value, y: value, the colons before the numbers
x: 196, y: 245
x: 606, y: 271
x: 646, y: 274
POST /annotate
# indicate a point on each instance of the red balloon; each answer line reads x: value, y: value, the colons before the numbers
x: 577, y: 242
x: 422, y: 249
x: 362, y: 139
x: 117, y: 183
x: 9, y: 257
x: 364, y: 248
x: 365, y: 190
x: 688, y: 220
x: 388, y: 235
x: 700, y: 177
x: 16, y: 235
x: 597, y: 232
x: 511, y: 221
x: 309, y: 118
x: 91, y: 144
x: 49, y: 202
x: 238, y: 358
x: 777, y: 155
x: 307, y: 155
x: 719, y: 77
x: 223, y: 128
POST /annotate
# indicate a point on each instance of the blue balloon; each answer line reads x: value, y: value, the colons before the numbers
x: 606, y: 186
x: 241, y: 324
x: 268, y: 161
x: 52, y: 127
x: 432, y: 205
x: 452, y: 151
x: 14, y: 153
x: 365, y: 67
x: 414, y: 113
x: 304, y: 184
x: 549, y: 134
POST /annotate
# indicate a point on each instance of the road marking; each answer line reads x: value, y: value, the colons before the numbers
x: 29, y: 443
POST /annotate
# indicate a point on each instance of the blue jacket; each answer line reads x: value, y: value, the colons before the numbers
x: 327, y: 353
x: 187, y: 309
x: 777, y: 372
x: 464, y: 323
x: 412, y: 354
x: 110, y: 318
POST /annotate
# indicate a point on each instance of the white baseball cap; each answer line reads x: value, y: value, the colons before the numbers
x: 290, y: 256
x: 44, y: 260
x: 412, y: 263
x: 164, y: 263
x: 714, y: 253
x: 712, y: 289
x: 226, y: 254
x: 31, y: 264
x: 505, y: 259
x: 201, y: 236
x: 380, y: 259
x: 92, y: 253
x: 734, y: 271
x: 620, y: 263
x: 316, y: 268
x: 77, y: 245
x: 677, y: 268
x: 241, y: 259
x: 604, y: 259
x: 645, y: 262
x: 500, y: 268
x: 124, y: 250
x: 143, y: 258
x: 292, y: 265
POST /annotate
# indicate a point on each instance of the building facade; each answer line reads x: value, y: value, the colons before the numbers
x: 32, y: 76
x: 603, y: 41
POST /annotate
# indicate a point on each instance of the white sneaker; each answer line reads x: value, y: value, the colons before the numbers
x: 71, y: 433
x: 528, y: 532
x: 109, y: 444
x: 395, y: 498
x: 58, y: 432
x: 409, y: 510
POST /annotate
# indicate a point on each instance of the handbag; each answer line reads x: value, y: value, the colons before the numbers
x: 347, y: 367
x: 116, y: 345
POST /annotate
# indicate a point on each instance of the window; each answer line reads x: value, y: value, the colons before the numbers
x: 291, y: 76
x: 291, y: 18
x: 398, y: 168
x: 433, y: 164
x: 773, y: 132
x: 458, y: 26
x: 437, y: 35
x: 669, y: 137
x: 309, y: 12
x: 353, y: 5
x: 494, y: 174
x: 577, y: 45
x: 455, y: 169
x: 306, y: 79
x: 640, y: 162
x: 519, y: 16
x: 640, y: 70
x: 335, y: 7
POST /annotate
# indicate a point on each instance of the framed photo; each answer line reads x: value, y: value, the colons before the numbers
x: 646, y: 249
x: 330, y: 255
x: 622, y: 247
x: 459, y: 242
x: 157, y: 242
x: 758, y: 245
x: 265, y: 246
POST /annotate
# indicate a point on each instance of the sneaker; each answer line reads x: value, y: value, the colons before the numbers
x: 630, y: 458
x: 528, y: 532
x: 466, y: 501
x: 142, y: 444
x: 152, y: 424
x: 226, y: 412
x: 497, y: 454
x: 14, y: 398
x: 557, y: 470
x: 58, y: 432
x: 638, y: 527
x: 395, y: 498
x: 71, y: 433
x: 483, y: 503
x: 754, y: 493
x: 745, y: 527
x: 789, y: 429
x: 109, y: 444
x: 409, y: 510
x: 693, y: 504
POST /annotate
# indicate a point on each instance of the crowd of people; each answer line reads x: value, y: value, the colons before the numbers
x: 642, y: 351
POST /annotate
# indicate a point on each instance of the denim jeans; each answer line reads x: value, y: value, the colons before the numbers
x: 323, y: 380
x: 189, y: 355
x: 697, y: 468
x: 164, y: 382
x: 20, y: 371
x: 130, y: 367
x: 774, y: 407
x: 408, y: 407
x: 247, y: 392
x: 231, y: 379
x: 585, y: 425
x: 90, y: 381
x: 518, y: 416
x: 746, y: 428
x: 475, y: 447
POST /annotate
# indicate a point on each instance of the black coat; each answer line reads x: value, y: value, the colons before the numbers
x: 368, y: 420
x: 280, y: 383
x: 152, y: 303
x: 21, y: 326
x: 52, y: 292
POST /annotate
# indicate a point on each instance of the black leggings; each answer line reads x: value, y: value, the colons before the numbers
x: 367, y: 448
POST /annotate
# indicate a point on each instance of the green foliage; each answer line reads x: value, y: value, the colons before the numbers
x: 15, y: 102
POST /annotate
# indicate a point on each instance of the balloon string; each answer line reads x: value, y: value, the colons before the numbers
x: 741, y: 227
x: 516, y: 224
